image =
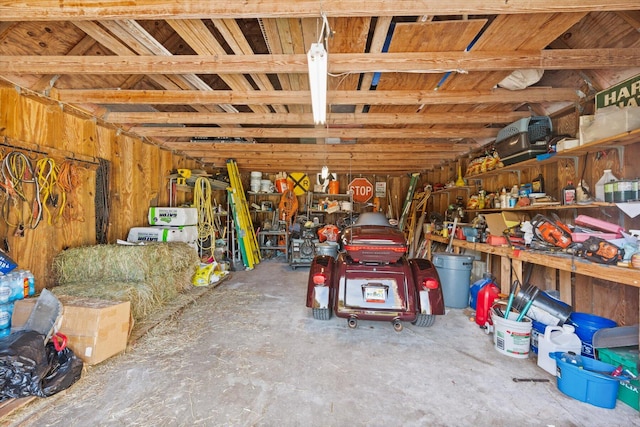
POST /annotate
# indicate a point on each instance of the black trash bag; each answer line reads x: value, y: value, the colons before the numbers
x: 23, y: 364
x: 65, y: 368
x: 28, y: 367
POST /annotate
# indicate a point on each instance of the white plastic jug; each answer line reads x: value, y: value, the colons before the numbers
x: 556, y: 338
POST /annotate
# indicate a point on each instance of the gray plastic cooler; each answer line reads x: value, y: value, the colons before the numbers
x: 454, y: 271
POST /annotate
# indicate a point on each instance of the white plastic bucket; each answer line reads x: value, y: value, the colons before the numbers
x: 511, y: 338
x: 256, y: 178
x: 266, y: 186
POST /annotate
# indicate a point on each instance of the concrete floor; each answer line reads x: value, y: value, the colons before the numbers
x: 249, y: 353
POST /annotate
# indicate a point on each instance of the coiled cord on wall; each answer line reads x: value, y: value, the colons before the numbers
x: 203, y: 202
x: 17, y: 171
x: 101, y: 201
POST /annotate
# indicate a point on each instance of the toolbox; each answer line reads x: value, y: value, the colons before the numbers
x: 524, y: 139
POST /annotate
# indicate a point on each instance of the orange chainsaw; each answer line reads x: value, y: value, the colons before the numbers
x: 551, y: 231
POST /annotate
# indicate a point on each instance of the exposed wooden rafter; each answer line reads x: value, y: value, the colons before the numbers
x: 391, y: 97
x: 265, y: 132
x: 418, y: 62
x: 307, y: 118
x: 197, y: 9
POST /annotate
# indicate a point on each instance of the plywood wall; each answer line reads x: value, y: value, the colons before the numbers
x: 139, y: 171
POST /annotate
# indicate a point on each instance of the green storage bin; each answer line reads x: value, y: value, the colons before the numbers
x: 628, y: 358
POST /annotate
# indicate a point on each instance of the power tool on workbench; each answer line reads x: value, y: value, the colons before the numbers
x: 599, y: 250
x: 552, y: 231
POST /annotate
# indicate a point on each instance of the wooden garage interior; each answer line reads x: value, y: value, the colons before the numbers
x: 413, y: 87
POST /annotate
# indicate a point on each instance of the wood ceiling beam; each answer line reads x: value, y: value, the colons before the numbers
x: 307, y: 118
x: 415, y: 62
x: 354, y: 165
x: 43, y: 10
x: 261, y: 149
x: 389, y: 97
x: 260, y: 132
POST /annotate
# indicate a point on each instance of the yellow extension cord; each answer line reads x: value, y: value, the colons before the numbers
x: 203, y: 202
x: 48, y: 173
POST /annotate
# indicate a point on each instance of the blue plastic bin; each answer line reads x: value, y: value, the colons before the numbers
x: 586, y: 325
x: 584, y: 384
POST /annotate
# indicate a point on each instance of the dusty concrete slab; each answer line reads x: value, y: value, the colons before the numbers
x: 249, y: 353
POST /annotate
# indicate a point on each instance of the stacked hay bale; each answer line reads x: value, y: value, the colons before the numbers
x: 148, y: 275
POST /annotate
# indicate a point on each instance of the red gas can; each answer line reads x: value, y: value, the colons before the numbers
x: 486, y: 296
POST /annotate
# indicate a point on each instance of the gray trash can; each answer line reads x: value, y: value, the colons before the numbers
x: 454, y: 271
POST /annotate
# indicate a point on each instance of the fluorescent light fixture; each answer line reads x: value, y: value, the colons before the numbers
x: 317, y: 61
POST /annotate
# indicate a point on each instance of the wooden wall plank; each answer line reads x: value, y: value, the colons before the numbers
x: 138, y: 174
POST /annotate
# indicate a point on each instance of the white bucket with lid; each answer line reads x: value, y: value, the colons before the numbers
x: 266, y: 186
x: 510, y: 337
x: 256, y: 178
x: 557, y: 338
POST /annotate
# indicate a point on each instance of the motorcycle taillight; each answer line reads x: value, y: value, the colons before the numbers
x: 430, y: 283
x: 319, y: 279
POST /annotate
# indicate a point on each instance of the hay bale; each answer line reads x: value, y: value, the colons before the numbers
x: 148, y: 276
x: 124, y: 263
x: 141, y: 295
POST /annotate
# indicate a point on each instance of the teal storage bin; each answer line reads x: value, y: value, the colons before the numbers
x: 585, y: 385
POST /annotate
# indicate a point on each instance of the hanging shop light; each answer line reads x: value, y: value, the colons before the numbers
x: 317, y: 59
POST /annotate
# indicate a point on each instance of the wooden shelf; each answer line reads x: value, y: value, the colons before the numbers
x: 625, y: 276
x: 452, y: 189
x: 614, y: 141
x: 546, y: 208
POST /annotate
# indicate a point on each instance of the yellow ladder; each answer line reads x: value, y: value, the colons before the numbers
x: 245, y: 233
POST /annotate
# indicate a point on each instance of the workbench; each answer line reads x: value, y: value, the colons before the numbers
x: 512, y: 260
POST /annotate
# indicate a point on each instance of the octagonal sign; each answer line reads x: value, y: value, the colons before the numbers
x: 362, y: 190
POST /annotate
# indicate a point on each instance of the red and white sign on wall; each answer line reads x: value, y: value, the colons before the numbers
x: 362, y: 190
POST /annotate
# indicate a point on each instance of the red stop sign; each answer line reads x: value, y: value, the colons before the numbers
x: 362, y: 190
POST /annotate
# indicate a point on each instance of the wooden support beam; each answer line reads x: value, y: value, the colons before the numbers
x: 414, y: 62
x: 48, y: 10
x: 316, y: 150
x: 387, y: 97
x: 307, y: 119
x: 261, y: 132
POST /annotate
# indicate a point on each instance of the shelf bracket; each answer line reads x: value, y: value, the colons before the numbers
x: 517, y: 172
x: 620, y: 150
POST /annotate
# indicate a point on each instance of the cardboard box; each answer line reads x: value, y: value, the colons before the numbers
x: 97, y: 329
x: 498, y: 222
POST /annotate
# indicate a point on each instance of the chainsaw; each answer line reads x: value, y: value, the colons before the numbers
x: 551, y: 231
x: 599, y: 250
